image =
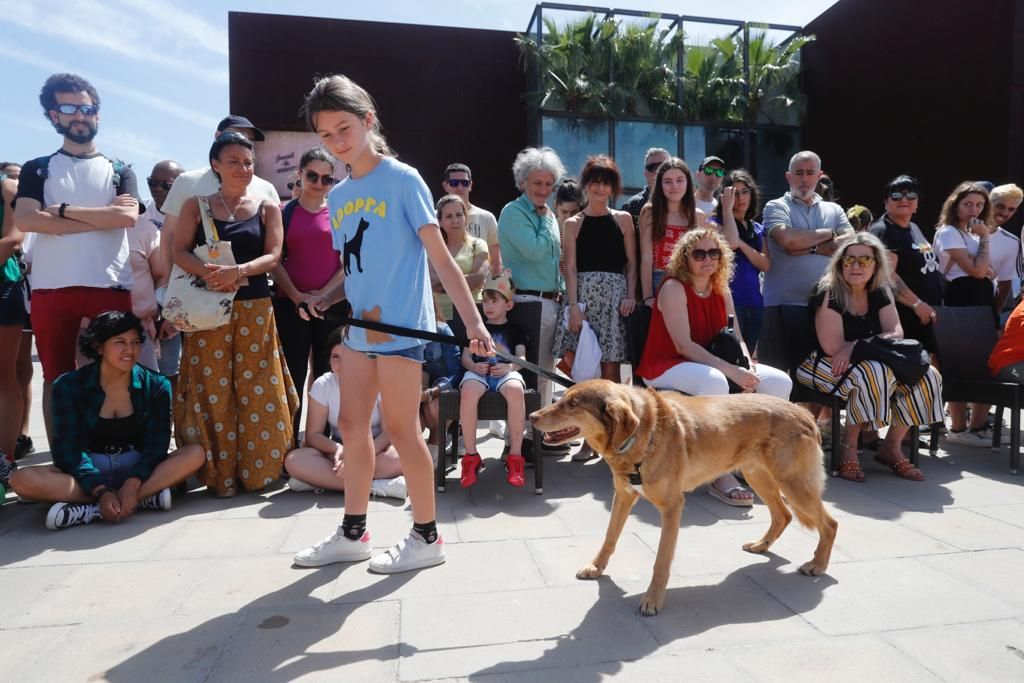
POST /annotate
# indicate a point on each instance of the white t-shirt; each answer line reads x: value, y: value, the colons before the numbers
x: 482, y: 223
x: 326, y: 392
x: 97, y: 258
x: 1006, y: 256
x: 707, y: 207
x: 143, y: 241
x: 203, y: 183
x: 949, y: 237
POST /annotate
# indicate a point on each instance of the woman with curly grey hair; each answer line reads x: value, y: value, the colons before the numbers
x: 530, y: 247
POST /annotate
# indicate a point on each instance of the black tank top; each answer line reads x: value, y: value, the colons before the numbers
x: 115, y: 435
x: 600, y: 246
x: 247, y: 238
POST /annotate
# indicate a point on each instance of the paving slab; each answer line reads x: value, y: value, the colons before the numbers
x: 965, y: 529
x: 997, y: 572
x: 966, y: 653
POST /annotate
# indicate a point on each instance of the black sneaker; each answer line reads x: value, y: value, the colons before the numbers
x: 158, y: 501
x: 6, y: 468
x: 23, y: 447
x: 64, y: 515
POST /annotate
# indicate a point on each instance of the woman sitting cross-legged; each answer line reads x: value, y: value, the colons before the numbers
x: 854, y: 303
x: 112, y: 427
x: 320, y: 463
x: 691, y: 306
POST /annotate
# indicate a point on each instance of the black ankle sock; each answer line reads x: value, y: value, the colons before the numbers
x: 353, y: 526
x: 427, y: 530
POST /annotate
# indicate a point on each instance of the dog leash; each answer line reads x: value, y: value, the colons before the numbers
x: 461, y: 342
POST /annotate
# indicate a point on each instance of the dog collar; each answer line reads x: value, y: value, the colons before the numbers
x: 634, y: 477
x: 627, y: 444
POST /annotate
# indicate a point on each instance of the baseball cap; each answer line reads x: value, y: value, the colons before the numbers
x: 502, y: 284
x: 233, y: 121
x: 710, y: 159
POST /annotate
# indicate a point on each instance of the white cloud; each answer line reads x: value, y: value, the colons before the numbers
x: 122, y: 32
x: 155, y: 102
x: 176, y: 21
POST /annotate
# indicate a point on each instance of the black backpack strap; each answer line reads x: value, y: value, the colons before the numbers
x: 286, y: 218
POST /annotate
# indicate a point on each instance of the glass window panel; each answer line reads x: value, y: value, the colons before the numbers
x: 633, y: 139
x: 773, y: 148
x: 700, y: 142
x: 574, y: 140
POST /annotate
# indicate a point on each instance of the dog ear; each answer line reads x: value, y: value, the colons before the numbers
x: 620, y: 421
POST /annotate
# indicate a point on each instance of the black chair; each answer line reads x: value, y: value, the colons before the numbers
x: 802, y: 340
x: 965, y: 337
x: 492, y: 404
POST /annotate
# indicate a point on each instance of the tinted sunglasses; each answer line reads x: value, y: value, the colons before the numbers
x: 897, y: 195
x: 459, y: 182
x: 154, y: 183
x: 700, y: 254
x: 653, y: 168
x: 326, y: 180
x: 862, y: 261
x: 293, y: 185
x: 86, y: 109
x: 707, y: 170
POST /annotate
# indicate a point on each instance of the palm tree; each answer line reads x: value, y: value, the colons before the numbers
x: 774, y: 79
x: 713, y: 88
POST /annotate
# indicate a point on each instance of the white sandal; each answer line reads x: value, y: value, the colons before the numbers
x: 726, y: 496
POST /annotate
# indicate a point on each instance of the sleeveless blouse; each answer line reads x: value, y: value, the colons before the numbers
x: 706, y: 315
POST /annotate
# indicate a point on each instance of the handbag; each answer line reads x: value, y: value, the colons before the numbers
x: 726, y: 345
x: 188, y: 304
x: 905, y: 357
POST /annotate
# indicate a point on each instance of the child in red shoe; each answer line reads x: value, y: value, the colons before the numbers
x: 483, y: 376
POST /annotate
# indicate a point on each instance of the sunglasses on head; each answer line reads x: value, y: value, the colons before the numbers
x: 326, y: 179
x: 459, y: 182
x: 154, y: 183
x: 86, y: 109
x: 897, y: 195
x: 700, y: 254
x: 708, y: 170
x: 862, y: 261
x: 653, y: 167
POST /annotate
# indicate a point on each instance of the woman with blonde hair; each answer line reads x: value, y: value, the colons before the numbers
x: 853, y: 304
x: 693, y: 304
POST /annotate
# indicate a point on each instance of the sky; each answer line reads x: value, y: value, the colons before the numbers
x: 161, y: 68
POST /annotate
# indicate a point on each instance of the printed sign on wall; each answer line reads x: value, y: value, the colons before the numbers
x: 277, y: 157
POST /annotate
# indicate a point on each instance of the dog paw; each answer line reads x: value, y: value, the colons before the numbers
x: 757, y: 547
x: 650, y: 606
x: 591, y: 571
x: 812, y: 568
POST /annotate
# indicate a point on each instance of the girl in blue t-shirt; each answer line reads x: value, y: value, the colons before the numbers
x: 383, y: 224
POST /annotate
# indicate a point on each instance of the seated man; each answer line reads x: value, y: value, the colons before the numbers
x: 320, y: 463
x: 112, y: 427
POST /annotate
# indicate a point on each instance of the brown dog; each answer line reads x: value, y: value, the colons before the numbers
x: 668, y: 444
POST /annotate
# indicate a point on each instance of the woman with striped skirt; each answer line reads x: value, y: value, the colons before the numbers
x: 853, y: 303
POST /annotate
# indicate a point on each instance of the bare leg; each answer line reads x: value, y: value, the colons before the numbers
x: 515, y: 399
x: 47, y: 484
x: 957, y: 416
x: 10, y: 392
x: 388, y: 464
x: 979, y: 415
x: 469, y: 397
x: 359, y: 377
x: 48, y: 410
x: 176, y: 468
x: 611, y: 371
x: 24, y: 370
x: 314, y: 468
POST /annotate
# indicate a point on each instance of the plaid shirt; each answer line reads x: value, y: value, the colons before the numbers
x: 77, y: 399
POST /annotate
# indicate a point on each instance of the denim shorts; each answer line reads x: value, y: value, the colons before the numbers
x: 413, y: 353
x: 169, y: 361
x: 492, y: 383
x: 115, y: 469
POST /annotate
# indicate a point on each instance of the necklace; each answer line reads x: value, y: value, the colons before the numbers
x: 702, y: 292
x: 231, y: 214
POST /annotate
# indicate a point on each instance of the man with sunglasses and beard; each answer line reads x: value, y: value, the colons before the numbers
x: 708, y: 180
x: 149, y: 272
x: 79, y: 203
x: 204, y: 182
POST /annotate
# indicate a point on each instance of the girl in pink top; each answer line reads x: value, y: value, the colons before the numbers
x: 309, y: 265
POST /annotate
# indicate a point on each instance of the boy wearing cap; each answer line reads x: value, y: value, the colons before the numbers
x: 709, y: 180
x: 483, y: 376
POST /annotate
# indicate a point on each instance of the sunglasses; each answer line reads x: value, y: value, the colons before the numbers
x: 862, y: 261
x: 459, y: 182
x: 902, y: 194
x: 700, y: 254
x: 154, y: 183
x: 653, y: 168
x: 326, y: 179
x: 86, y: 109
x: 292, y: 185
x: 707, y: 170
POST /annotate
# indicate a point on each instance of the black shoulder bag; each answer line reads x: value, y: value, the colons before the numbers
x: 726, y: 345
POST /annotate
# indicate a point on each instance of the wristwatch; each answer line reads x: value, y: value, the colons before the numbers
x: 60, y: 211
x: 814, y: 249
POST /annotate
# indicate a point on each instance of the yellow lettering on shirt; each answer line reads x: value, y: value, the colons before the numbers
x: 361, y: 205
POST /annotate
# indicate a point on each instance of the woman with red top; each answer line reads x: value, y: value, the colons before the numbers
x: 309, y: 265
x: 692, y: 306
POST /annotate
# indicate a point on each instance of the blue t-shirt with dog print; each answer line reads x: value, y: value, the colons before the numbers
x: 375, y: 222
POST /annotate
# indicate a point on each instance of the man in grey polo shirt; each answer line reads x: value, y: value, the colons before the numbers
x: 804, y: 231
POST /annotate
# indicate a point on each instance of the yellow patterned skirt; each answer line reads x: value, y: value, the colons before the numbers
x: 236, y: 399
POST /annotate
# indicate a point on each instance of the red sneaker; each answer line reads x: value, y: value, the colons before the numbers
x: 470, y: 464
x: 516, y: 466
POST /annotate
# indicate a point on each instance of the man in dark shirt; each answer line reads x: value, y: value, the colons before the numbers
x: 652, y: 160
x: 916, y: 275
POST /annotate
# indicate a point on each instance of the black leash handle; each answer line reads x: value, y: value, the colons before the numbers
x: 461, y: 342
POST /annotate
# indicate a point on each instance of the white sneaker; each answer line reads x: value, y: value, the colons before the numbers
x: 980, y: 438
x: 296, y: 484
x: 390, y: 488
x: 412, y: 552
x: 497, y: 428
x: 64, y: 515
x: 158, y: 501
x: 335, y: 548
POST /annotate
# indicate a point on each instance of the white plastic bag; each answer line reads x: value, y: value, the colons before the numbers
x: 587, y: 363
